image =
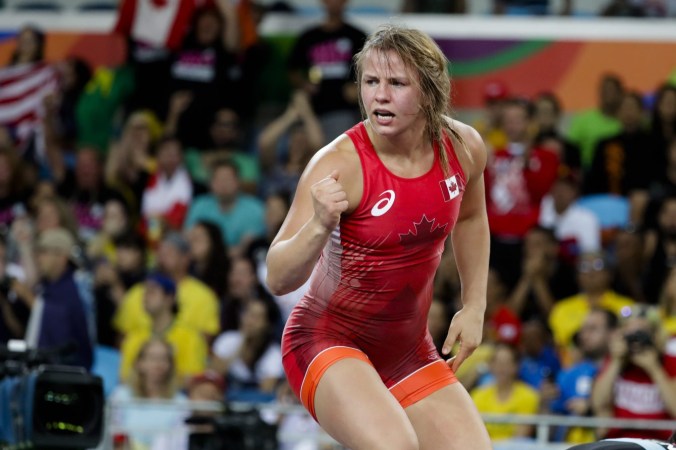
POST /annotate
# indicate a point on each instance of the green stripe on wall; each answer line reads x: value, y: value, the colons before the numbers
x: 498, y: 61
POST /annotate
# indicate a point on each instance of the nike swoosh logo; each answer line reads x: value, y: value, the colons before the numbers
x: 384, y: 204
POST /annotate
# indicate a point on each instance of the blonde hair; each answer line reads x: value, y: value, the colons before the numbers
x: 421, y: 55
x: 136, y: 379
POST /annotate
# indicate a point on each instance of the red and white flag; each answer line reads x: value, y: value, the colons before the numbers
x: 158, y: 23
x: 450, y: 188
x: 22, y: 90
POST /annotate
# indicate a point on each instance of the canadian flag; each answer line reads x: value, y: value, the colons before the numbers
x: 159, y: 23
x: 450, y: 188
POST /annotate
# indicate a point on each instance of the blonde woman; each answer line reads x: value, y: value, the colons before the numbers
x: 153, y: 377
x: 367, y: 226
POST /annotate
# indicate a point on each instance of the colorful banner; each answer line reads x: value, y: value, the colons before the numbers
x: 569, y: 69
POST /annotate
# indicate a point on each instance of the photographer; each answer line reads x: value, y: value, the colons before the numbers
x: 639, y: 379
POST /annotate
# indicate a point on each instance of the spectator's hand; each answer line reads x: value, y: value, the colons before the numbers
x: 534, y: 266
x: 179, y: 102
x: 22, y: 230
x: 310, y: 88
x: 300, y: 100
x: 329, y: 201
x: 466, y: 327
x: 647, y: 358
x: 578, y: 406
x: 618, y: 346
x: 549, y: 390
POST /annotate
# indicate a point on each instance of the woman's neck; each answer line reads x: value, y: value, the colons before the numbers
x: 410, y: 142
x: 504, y: 388
x: 154, y: 391
x: 162, y: 322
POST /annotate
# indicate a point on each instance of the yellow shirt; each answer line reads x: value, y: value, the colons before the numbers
x: 190, y: 350
x: 669, y: 324
x: 198, y: 308
x: 523, y: 400
x: 568, y: 314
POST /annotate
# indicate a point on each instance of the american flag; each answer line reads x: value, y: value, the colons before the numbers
x: 22, y: 90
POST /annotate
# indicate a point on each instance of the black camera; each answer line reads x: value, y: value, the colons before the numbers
x: 48, y: 406
x: 638, y: 340
x: 234, y: 430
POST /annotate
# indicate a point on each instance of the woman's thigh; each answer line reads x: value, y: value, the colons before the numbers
x: 447, y: 419
x: 353, y: 406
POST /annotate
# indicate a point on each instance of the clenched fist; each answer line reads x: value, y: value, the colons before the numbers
x: 329, y: 200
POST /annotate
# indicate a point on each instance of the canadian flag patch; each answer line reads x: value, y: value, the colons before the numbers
x: 450, y: 188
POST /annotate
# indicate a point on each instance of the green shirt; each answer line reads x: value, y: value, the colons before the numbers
x: 587, y: 129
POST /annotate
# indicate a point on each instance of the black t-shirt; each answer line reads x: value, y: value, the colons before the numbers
x: 213, y: 78
x: 326, y: 58
x: 621, y: 164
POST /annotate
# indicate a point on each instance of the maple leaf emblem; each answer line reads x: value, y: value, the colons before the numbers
x: 423, y: 232
x: 453, y: 186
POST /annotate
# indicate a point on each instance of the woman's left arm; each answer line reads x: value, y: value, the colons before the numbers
x: 471, y: 242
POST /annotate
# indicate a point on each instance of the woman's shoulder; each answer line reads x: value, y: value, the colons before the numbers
x: 467, y: 132
x: 468, y: 145
x: 340, y: 154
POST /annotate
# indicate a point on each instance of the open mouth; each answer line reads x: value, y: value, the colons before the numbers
x: 383, y: 114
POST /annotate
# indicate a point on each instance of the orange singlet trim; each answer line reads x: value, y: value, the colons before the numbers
x: 325, y: 359
x: 422, y: 383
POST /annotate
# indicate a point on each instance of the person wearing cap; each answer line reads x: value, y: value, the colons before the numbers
x: 198, y: 304
x: 58, y: 316
x: 160, y: 304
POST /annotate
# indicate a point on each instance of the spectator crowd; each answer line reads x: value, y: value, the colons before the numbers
x: 137, y: 204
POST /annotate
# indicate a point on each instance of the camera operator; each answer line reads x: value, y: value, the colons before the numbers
x: 58, y: 316
x: 639, y: 378
x: 15, y: 299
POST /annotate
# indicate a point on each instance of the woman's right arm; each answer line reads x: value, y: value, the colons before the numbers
x: 315, y: 212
